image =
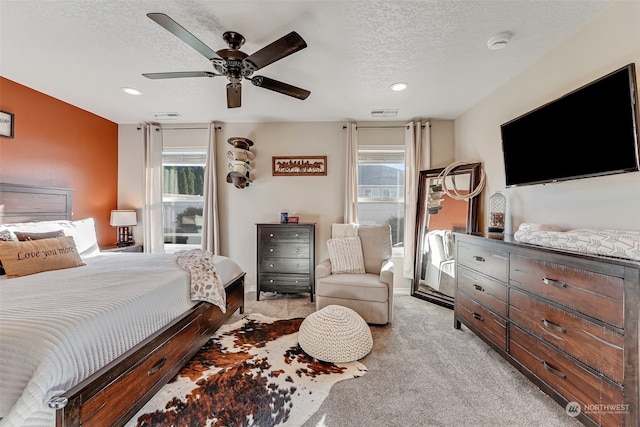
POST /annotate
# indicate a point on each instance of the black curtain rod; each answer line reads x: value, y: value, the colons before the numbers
x: 383, y: 127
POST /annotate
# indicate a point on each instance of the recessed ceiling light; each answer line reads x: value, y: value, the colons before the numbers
x: 499, y: 41
x: 398, y: 86
x: 131, y: 91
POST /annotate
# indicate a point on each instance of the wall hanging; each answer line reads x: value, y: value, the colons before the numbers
x: 299, y: 165
x: 6, y: 124
x: 240, y: 162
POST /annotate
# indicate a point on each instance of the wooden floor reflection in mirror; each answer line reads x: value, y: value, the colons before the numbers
x: 438, y: 217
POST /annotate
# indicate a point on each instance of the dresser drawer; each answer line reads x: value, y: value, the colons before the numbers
x: 285, y: 250
x: 489, y: 261
x: 596, y: 295
x: 284, y: 265
x: 287, y: 233
x: 598, y: 347
x: 489, y: 324
x: 140, y: 378
x: 489, y: 293
x: 285, y: 282
x: 572, y: 381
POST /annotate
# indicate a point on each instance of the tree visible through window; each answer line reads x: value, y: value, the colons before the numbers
x: 182, y: 197
x: 381, y: 188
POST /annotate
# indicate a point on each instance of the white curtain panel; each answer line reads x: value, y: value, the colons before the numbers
x: 417, y: 142
x: 351, y: 176
x: 152, y: 209
x: 211, y: 225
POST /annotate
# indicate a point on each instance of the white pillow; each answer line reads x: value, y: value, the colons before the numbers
x: 83, y: 232
x: 346, y: 255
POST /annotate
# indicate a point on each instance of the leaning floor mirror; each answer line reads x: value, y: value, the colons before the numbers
x: 439, y: 216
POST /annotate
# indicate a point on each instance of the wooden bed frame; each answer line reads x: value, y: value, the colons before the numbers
x: 115, y: 393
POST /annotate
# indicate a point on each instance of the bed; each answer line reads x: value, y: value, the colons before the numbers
x: 94, y: 350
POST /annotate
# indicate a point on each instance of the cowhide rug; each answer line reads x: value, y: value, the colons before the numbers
x: 250, y: 373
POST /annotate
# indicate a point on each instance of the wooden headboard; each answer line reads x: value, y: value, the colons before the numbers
x: 23, y: 203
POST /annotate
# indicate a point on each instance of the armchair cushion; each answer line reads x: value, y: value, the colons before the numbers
x: 346, y: 255
x: 376, y: 246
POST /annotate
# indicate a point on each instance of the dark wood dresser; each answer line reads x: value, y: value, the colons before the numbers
x: 569, y: 322
x: 286, y: 258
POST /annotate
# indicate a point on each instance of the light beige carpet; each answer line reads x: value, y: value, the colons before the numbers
x: 423, y: 372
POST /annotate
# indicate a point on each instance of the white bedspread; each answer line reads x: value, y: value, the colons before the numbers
x: 614, y: 243
x: 59, y: 327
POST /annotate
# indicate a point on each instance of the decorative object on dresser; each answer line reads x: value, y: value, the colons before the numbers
x: 286, y: 258
x: 241, y: 161
x: 299, y: 165
x: 6, y: 124
x: 124, y: 219
x: 567, y: 321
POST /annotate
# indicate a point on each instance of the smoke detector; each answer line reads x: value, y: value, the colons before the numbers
x: 499, y: 41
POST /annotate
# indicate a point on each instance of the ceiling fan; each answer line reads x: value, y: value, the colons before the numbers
x: 234, y: 64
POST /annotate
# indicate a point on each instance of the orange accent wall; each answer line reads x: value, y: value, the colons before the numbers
x: 56, y: 144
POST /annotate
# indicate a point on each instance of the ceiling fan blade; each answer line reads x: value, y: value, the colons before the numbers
x: 179, y: 74
x: 178, y: 30
x: 285, y: 46
x: 276, y: 86
x: 234, y: 95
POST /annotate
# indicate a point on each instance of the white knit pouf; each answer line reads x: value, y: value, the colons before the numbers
x: 335, y: 334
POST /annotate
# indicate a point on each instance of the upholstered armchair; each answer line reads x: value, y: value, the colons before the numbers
x: 370, y: 292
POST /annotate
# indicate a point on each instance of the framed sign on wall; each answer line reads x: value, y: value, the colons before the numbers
x: 299, y: 165
x: 6, y: 124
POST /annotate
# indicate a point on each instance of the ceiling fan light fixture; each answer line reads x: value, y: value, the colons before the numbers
x: 397, y: 87
x: 131, y: 91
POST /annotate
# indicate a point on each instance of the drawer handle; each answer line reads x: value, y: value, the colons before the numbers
x: 297, y: 281
x: 478, y: 258
x: 271, y: 265
x: 270, y: 234
x: 270, y: 249
x: 552, y: 282
x: 157, y: 366
x: 297, y: 251
x: 555, y: 327
x: 478, y: 288
x: 270, y: 280
x: 477, y: 316
x: 552, y: 370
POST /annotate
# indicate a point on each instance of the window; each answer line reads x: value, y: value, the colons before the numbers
x: 381, y: 188
x: 182, y: 198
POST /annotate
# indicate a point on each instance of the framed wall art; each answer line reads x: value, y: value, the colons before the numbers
x: 6, y: 124
x: 299, y: 165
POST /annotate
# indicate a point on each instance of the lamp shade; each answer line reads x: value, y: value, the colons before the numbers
x: 123, y: 218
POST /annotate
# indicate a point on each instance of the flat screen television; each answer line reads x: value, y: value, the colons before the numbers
x: 591, y: 131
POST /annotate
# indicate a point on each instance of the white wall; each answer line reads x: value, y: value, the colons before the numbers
x: 609, y: 42
x: 316, y: 199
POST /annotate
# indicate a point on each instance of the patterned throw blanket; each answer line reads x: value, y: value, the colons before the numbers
x: 614, y: 243
x: 205, y: 283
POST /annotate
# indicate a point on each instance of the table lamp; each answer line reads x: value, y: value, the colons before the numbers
x: 124, y: 219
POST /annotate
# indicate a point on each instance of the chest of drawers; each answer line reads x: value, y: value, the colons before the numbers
x: 286, y: 258
x: 568, y: 322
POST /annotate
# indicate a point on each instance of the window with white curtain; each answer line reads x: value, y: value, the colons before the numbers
x: 381, y: 188
x: 182, y: 197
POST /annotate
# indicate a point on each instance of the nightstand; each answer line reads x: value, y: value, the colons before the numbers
x: 133, y: 248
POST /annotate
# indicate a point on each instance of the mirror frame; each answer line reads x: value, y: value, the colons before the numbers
x: 473, y: 169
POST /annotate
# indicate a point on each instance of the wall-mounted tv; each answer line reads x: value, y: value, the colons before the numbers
x: 589, y: 132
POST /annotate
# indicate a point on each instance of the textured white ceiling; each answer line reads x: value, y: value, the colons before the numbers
x: 84, y: 51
